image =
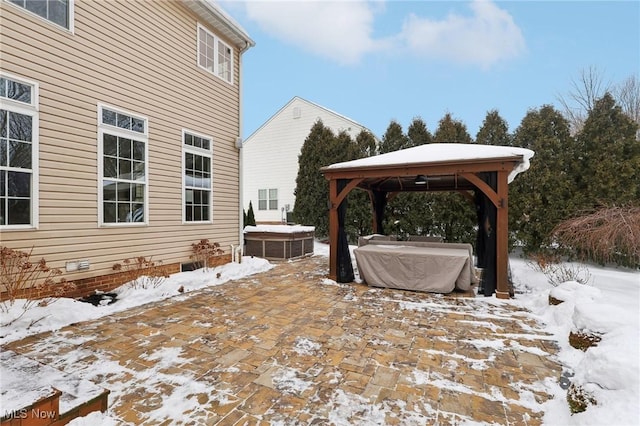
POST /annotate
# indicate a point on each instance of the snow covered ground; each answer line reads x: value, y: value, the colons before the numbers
x: 609, y: 306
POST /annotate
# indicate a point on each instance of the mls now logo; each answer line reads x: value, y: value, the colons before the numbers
x: 34, y: 413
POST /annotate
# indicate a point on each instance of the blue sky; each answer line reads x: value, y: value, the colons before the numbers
x: 395, y: 60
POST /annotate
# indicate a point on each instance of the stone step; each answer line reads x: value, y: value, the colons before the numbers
x: 34, y: 394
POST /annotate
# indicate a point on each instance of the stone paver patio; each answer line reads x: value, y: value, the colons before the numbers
x: 288, y: 347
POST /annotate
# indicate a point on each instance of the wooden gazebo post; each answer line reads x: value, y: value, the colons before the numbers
x: 502, y: 236
x: 333, y: 229
x: 335, y: 198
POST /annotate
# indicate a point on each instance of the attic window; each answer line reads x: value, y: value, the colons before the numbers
x: 296, y: 112
x: 214, y: 55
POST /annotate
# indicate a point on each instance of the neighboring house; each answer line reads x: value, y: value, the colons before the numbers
x: 119, y: 130
x: 270, y: 157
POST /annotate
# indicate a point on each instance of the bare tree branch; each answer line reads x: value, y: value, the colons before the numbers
x: 582, y: 97
x: 627, y: 95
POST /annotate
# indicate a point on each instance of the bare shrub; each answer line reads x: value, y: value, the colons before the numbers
x: 609, y: 234
x: 542, y: 261
x: 203, y: 251
x: 141, y: 272
x: 563, y: 272
x: 558, y: 272
x: 22, y: 278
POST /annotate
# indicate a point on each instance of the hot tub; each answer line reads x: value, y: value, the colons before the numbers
x: 278, y: 242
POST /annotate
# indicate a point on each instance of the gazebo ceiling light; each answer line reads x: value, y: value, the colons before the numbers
x: 421, y: 180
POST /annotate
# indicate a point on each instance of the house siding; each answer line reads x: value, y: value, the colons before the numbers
x: 270, y: 154
x: 140, y: 57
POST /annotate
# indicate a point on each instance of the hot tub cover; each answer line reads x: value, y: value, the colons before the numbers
x: 279, y: 229
x: 430, y: 269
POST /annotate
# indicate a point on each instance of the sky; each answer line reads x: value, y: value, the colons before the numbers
x: 606, y: 305
x: 377, y: 61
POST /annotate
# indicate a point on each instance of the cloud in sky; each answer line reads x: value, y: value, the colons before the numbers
x: 339, y: 30
x: 342, y: 31
x: 488, y: 36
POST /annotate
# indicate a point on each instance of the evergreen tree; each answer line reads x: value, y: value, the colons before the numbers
x: 450, y: 130
x: 312, y: 191
x: 366, y: 144
x: 358, y: 210
x: 494, y: 130
x: 393, y: 139
x: 417, y: 133
x: 453, y: 216
x: 396, y: 220
x: 609, y: 154
x: 359, y: 213
x: 544, y: 195
x: 321, y: 148
x: 343, y: 148
x: 250, y: 220
x: 412, y: 209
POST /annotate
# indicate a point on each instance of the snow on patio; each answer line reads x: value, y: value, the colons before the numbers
x: 369, y: 356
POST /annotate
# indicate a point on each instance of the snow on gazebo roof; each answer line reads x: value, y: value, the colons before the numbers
x: 442, y: 153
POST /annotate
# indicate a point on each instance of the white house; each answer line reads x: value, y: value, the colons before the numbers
x: 270, y: 156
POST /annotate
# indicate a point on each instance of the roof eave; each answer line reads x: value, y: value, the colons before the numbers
x: 298, y: 98
x: 435, y: 165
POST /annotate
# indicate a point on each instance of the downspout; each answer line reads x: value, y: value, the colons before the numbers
x: 240, y: 155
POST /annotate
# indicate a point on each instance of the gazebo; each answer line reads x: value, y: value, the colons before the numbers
x: 482, y: 173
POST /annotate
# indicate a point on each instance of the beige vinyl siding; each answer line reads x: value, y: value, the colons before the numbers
x: 140, y: 57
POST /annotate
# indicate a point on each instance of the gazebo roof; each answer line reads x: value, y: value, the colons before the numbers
x: 433, y: 156
x: 441, y: 166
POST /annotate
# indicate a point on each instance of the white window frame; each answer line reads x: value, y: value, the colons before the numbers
x: 117, y: 131
x: 268, y: 199
x: 272, y: 199
x: 204, y: 153
x: 71, y: 15
x: 217, y: 71
x: 33, y: 110
x: 265, y: 199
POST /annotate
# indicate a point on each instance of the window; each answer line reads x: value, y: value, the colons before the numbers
x: 196, y: 178
x: 18, y: 152
x: 267, y: 199
x: 57, y: 11
x: 214, y: 55
x: 273, y: 199
x: 123, y: 167
x: 224, y: 62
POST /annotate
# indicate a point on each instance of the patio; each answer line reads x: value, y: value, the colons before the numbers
x: 288, y: 346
